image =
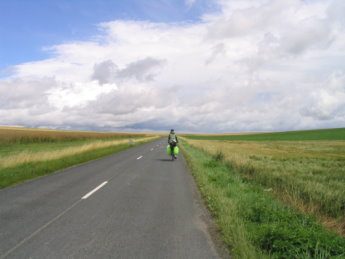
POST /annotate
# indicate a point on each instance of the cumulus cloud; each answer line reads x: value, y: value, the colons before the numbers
x: 24, y: 93
x: 253, y: 66
x: 327, y: 101
x: 105, y: 72
x: 141, y: 70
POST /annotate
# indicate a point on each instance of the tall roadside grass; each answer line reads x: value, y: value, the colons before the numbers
x: 252, y: 222
x: 308, y: 176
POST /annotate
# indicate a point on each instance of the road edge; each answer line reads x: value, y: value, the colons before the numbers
x: 212, y: 229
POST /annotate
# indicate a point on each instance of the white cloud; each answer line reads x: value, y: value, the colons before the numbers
x: 327, y: 101
x: 255, y: 65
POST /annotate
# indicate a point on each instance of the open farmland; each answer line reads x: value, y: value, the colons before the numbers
x: 28, y: 135
x: 323, y: 134
x: 305, y: 173
x: 28, y: 153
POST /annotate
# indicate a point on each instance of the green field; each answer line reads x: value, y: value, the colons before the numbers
x: 275, y: 195
x: 324, y: 134
x: 252, y: 222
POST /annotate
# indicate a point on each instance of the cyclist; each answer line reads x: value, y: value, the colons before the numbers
x: 172, y: 140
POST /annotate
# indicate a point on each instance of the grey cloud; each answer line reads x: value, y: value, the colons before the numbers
x: 25, y: 93
x: 105, y: 72
x: 309, y: 33
x: 161, y: 124
x: 141, y: 70
x: 316, y: 113
x: 218, y: 49
x: 327, y: 102
x: 119, y: 108
x: 25, y: 102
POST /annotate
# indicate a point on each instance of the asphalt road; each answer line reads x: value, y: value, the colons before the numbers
x: 133, y: 204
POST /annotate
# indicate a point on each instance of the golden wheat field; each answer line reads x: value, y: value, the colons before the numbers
x: 18, y: 134
x: 26, y: 156
x: 22, y: 145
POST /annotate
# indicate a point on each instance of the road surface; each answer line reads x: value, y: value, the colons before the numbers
x: 133, y: 204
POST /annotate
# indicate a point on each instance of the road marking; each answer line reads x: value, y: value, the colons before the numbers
x: 151, y: 149
x: 139, y: 157
x: 94, y: 190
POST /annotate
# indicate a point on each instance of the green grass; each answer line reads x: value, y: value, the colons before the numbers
x: 252, y: 223
x: 24, y: 172
x: 324, y: 134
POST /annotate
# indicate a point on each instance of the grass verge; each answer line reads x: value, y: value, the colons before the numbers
x: 26, y: 171
x: 254, y: 224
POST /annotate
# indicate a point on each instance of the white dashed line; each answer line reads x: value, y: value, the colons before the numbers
x: 139, y: 157
x: 93, y: 191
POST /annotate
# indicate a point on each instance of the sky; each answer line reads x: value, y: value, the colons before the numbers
x: 210, y: 66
